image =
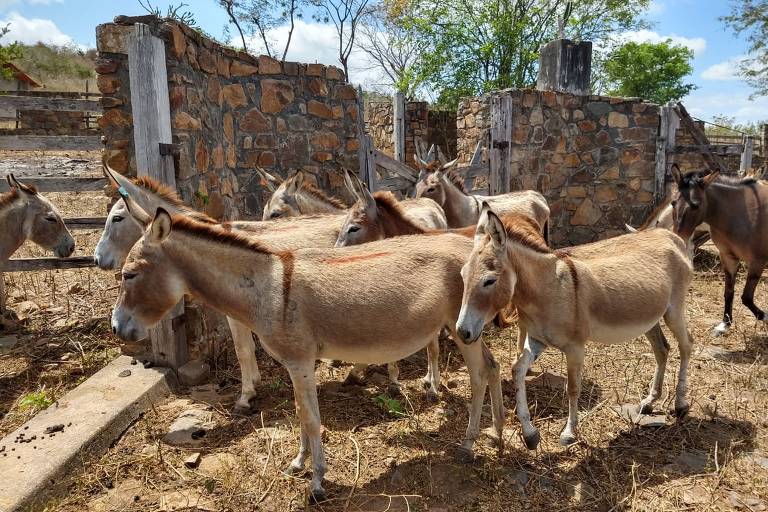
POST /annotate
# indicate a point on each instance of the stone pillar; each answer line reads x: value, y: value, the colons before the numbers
x: 565, y: 66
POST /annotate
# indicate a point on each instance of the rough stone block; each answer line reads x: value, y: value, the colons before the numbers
x: 111, y: 38
x: 275, y: 95
x: 194, y: 373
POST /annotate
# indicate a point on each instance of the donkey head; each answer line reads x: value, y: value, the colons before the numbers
x: 433, y: 181
x: 41, y: 221
x: 690, y: 201
x: 362, y: 223
x: 283, y: 202
x: 488, y: 279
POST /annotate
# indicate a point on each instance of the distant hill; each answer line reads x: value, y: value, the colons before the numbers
x: 59, y: 68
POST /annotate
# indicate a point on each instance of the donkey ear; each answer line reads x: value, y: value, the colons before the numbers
x: 495, y: 229
x: 350, y: 180
x: 294, y: 185
x: 14, y: 183
x: 136, y: 211
x: 267, y: 180
x: 676, y: 174
x: 161, y: 226
x: 449, y: 165
x: 367, y: 198
x: 709, y: 178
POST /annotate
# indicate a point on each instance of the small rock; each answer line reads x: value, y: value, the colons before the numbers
x: 7, y: 343
x: 217, y: 464
x: 121, y: 497
x: 378, y: 379
x: 188, y: 428
x: 54, y: 428
x: 194, y: 373
x: 75, y: 289
x: 27, y: 307
x: 689, y: 462
x: 193, y: 460
x: 124, y: 373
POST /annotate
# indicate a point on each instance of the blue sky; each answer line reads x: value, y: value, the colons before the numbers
x: 691, y: 22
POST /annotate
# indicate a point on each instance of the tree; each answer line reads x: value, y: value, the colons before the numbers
x: 474, y: 46
x: 345, y: 15
x: 652, y: 71
x: 391, y: 48
x: 8, y: 53
x: 750, y: 17
x: 259, y: 18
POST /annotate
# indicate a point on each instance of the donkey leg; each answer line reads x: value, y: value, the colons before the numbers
x: 675, y: 319
x: 249, y: 367
x: 661, y: 352
x: 431, y: 382
x: 575, y: 360
x: 730, y: 267
x: 754, y: 271
x: 531, y: 350
x: 308, y: 408
x: 478, y: 381
x: 498, y: 411
x: 356, y: 375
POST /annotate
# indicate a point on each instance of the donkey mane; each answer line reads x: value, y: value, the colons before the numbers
x: 322, y: 196
x: 655, y: 213
x: 389, y: 206
x: 8, y: 198
x: 455, y: 178
x: 736, y: 181
x: 170, y: 196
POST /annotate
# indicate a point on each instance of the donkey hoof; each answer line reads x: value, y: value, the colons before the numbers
x: 567, y: 439
x: 245, y: 410
x: 532, y: 440
x: 335, y: 363
x: 464, y: 456
x: 317, y: 496
x: 354, y: 380
x: 720, y: 329
x: 646, y: 408
x: 292, y: 470
x: 682, y: 411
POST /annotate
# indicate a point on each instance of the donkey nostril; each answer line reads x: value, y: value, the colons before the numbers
x: 114, y: 330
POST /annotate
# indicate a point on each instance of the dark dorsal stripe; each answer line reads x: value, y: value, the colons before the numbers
x: 170, y: 196
x: 322, y: 196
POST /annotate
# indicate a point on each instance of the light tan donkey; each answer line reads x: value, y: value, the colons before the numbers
x: 607, y: 292
x: 309, y: 304
x: 27, y: 215
x: 446, y: 187
x: 380, y: 215
x: 294, y: 197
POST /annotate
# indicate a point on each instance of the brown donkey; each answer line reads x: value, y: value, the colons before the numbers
x: 294, y: 197
x: 309, y: 304
x: 736, y: 210
x: 26, y: 215
x: 607, y: 292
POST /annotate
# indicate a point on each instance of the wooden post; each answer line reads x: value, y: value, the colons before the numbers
x: 152, y: 126
x: 2, y: 294
x: 362, y: 153
x: 398, y: 130
x: 477, y: 158
x: 501, y: 140
x: 665, y: 144
x: 746, y: 155
x: 370, y: 163
x: 764, y: 142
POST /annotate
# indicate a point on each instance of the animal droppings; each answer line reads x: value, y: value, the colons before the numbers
x: 55, y: 428
x: 124, y: 373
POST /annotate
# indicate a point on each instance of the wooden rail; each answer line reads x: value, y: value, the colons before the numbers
x: 86, y: 222
x: 45, y: 184
x: 34, y: 264
x: 57, y: 104
x: 51, y: 142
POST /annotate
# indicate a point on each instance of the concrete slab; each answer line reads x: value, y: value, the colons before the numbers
x: 35, y: 465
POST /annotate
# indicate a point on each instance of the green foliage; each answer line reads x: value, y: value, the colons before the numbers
x: 750, y: 17
x: 48, y: 63
x: 391, y: 405
x: 36, y: 401
x: 652, y: 71
x: 727, y: 125
x: 475, y: 46
x: 172, y: 12
x: 8, y: 53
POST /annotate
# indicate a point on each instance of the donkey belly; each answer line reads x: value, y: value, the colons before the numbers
x: 375, y: 350
x: 618, y: 333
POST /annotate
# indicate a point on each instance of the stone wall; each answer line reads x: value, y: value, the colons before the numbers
x: 52, y: 122
x: 593, y: 157
x: 695, y: 161
x: 231, y: 112
x: 441, y: 131
x: 380, y: 126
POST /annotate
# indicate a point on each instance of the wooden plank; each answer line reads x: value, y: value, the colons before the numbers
x: 660, y: 171
x: 701, y: 139
x: 474, y: 171
x: 392, y: 165
x: 395, y: 184
x: 58, y: 104
x: 54, y: 94
x: 2, y: 293
x: 50, y: 142
x: 718, y: 149
x: 746, y: 156
x: 362, y: 157
x: 151, y: 111
x: 500, y: 145
x: 35, y: 264
x: 398, y: 130
x: 85, y: 222
x: 370, y: 164
x: 477, y: 158
x: 64, y: 184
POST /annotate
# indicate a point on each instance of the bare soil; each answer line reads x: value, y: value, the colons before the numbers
x: 715, y: 459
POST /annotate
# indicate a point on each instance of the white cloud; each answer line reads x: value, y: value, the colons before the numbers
x: 735, y: 104
x: 657, y: 7
x: 727, y: 70
x: 697, y: 44
x: 45, y: 2
x: 33, y: 30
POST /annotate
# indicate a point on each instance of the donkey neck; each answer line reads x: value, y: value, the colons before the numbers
x: 393, y: 224
x: 14, y: 232
x: 537, y: 277
x: 460, y: 209
x: 720, y: 198
x: 309, y: 202
x: 238, y: 282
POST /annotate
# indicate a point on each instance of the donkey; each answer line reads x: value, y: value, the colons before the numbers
x: 446, y: 187
x: 294, y: 197
x: 309, y: 304
x: 736, y: 210
x: 122, y: 231
x: 607, y: 292
x: 25, y: 214
x: 380, y: 215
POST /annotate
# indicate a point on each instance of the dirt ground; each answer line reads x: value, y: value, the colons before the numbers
x: 63, y: 329
x: 379, y: 459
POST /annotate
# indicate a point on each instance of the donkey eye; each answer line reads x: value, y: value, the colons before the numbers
x: 490, y: 281
x: 274, y: 215
x: 117, y: 218
x: 431, y: 189
x: 353, y: 229
x: 50, y: 218
x: 127, y: 276
x: 674, y: 203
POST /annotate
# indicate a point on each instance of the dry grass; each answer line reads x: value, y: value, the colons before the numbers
x: 377, y: 461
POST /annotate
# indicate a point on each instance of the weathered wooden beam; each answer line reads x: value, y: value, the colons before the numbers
x: 398, y: 130
x: 58, y: 104
x: 85, y: 222
x: 501, y: 140
x: 700, y: 138
x: 392, y: 165
x: 362, y: 156
x: 474, y: 171
x: 150, y: 106
x: 717, y: 149
x: 65, y: 184
x: 370, y: 164
x: 746, y: 156
x: 35, y: 264
x: 50, y: 142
